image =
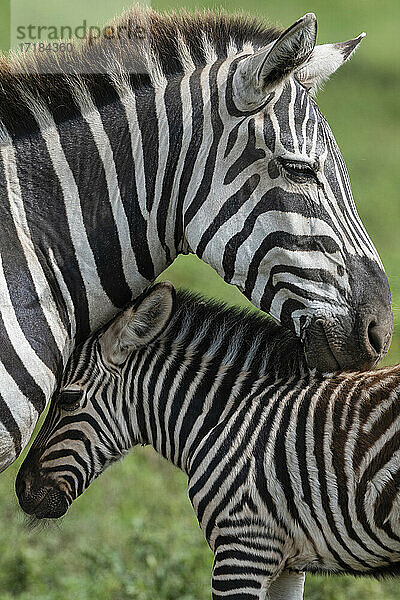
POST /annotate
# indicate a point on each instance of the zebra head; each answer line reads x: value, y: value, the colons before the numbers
x: 281, y: 223
x: 88, y: 426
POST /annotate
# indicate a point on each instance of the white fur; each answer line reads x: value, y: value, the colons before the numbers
x: 323, y: 62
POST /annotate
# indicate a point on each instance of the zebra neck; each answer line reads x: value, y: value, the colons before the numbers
x: 157, y: 133
x: 176, y: 405
x: 209, y: 362
x: 108, y: 213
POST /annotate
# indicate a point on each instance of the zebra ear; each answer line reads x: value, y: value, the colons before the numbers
x: 324, y: 61
x: 258, y: 74
x: 139, y: 324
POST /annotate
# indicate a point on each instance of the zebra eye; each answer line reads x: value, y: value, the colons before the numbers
x: 70, y: 400
x: 297, y: 170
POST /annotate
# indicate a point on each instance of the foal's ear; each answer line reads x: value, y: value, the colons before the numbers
x: 324, y: 60
x: 139, y: 324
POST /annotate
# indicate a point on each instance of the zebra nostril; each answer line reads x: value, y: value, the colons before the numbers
x: 376, y: 337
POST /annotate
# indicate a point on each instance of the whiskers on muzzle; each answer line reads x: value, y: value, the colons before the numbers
x: 35, y: 524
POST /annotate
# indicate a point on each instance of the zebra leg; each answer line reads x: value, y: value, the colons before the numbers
x: 239, y: 573
x: 288, y: 586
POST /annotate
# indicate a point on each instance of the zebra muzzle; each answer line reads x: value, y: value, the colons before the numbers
x: 41, y: 499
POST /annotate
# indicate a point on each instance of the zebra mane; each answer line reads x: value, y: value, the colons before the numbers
x: 170, y: 44
x: 211, y: 325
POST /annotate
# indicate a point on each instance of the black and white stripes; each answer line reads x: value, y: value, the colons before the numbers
x: 288, y: 471
x: 105, y: 179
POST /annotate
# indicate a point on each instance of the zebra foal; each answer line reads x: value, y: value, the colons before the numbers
x: 289, y: 471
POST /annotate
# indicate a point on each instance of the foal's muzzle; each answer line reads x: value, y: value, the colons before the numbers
x: 39, y: 496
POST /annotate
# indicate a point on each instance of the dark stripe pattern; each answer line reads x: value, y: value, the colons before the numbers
x: 289, y: 471
x: 105, y: 179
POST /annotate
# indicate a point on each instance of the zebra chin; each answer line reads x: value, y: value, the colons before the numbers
x: 351, y: 333
x: 330, y: 345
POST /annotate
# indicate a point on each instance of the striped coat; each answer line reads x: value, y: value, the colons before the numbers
x: 289, y: 471
x: 198, y: 135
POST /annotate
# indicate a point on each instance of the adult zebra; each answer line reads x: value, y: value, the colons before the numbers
x: 289, y: 470
x: 217, y: 148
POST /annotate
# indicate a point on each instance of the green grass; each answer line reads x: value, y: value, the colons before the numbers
x: 133, y: 535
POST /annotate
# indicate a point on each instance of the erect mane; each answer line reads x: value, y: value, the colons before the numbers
x: 269, y: 347
x: 168, y: 43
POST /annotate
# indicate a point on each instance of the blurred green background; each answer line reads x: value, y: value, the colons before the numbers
x: 133, y: 535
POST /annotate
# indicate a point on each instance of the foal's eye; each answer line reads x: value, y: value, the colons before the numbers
x: 299, y: 171
x: 70, y: 399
